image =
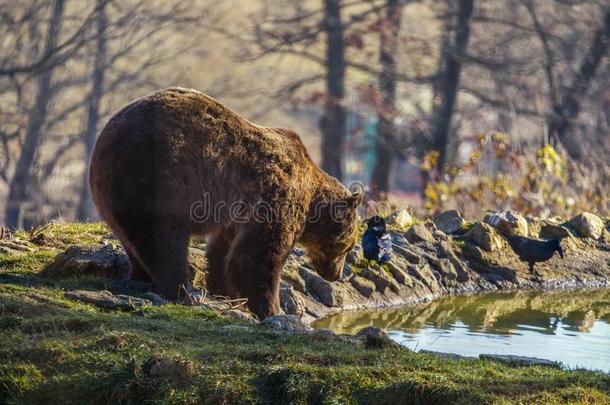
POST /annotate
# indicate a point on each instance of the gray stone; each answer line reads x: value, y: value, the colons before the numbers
x: 425, y: 274
x: 13, y: 246
x: 90, y: 260
x: 402, y: 219
x: 381, y: 280
x: 287, y: 323
x: 156, y: 299
x: 374, y: 338
x: 362, y: 285
x: 398, y: 274
x: 5, y: 234
x: 553, y: 231
x: 508, y: 222
x: 353, y: 256
x: 440, y: 235
x: 419, y: 233
x: 291, y: 302
x: 408, y: 254
x: 446, y: 251
x: 240, y: 315
x: 446, y: 269
x: 588, y: 225
x: 293, y: 277
x: 484, y: 236
x: 443, y: 355
x: 321, y: 289
x: 106, y: 299
x: 520, y: 361
x: 449, y: 221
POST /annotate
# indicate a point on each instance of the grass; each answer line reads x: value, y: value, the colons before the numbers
x: 54, y: 350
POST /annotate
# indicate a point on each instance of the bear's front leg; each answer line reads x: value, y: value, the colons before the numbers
x: 254, y: 267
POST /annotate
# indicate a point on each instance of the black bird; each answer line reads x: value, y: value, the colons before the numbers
x: 376, y: 241
x: 532, y: 251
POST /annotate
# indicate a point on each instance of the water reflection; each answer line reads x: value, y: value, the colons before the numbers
x: 568, y: 326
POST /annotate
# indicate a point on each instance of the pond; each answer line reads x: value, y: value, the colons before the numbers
x: 572, y: 327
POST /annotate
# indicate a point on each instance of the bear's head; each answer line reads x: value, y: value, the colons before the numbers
x: 331, y: 232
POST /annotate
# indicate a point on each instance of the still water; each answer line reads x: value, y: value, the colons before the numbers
x: 572, y: 327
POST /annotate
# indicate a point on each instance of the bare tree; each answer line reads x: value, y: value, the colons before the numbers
x: 450, y: 80
x: 85, y: 207
x: 568, y: 104
x: 333, y: 123
x: 18, y: 187
x: 386, y: 147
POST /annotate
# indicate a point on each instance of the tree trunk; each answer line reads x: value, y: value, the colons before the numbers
x: 566, y: 112
x: 85, y: 207
x: 333, y: 122
x: 18, y: 188
x: 385, y: 147
x: 451, y: 80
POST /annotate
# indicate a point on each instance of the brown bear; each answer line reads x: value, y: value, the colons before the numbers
x: 178, y: 163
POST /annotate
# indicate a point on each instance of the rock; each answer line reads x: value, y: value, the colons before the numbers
x: 553, y: 231
x: 292, y: 276
x: 362, y: 285
x: 445, y: 251
x: 419, y: 233
x: 449, y: 221
x: 353, y: 256
x: 425, y: 274
x: 374, y: 338
x: 509, y: 222
x: 167, y: 367
x: 380, y: 279
x: 472, y: 252
x: 402, y: 219
x: 90, y: 260
x: 439, y: 235
x: 443, y: 355
x: 287, y: 323
x: 520, y: 361
x: 106, y: 299
x: 321, y: 289
x: 290, y: 302
x: 5, y: 234
x: 484, y: 236
x: 398, y: 274
x: 155, y: 298
x: 13, y: 247
x: 240, y: 315
x: 323, y: 334
x: 446, y: 269
x: 587, y: 225
x: 408, y: 254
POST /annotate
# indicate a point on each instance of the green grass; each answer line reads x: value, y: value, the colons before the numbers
x: 53, y: 350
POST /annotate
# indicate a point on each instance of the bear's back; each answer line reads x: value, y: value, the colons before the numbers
x: 180, y: 141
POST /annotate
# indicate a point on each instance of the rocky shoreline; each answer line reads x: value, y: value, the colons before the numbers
x: 433, y: 259
x: 447, y: 256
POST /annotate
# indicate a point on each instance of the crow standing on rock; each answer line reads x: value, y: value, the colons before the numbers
x: 532, y: 251
x: 376, y: 241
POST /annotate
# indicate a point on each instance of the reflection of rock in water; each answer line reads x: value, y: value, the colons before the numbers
x: 492, y: 313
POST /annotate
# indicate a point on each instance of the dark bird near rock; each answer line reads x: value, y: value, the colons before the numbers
x: 376, y: 241
x: 533, y: 251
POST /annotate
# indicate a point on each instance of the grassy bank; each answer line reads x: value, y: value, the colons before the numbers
x: 54, y: 350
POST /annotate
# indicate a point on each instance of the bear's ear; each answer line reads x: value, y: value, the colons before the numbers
x: 354, y: 199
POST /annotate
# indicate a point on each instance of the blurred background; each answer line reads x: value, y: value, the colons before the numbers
x: 467, y: 104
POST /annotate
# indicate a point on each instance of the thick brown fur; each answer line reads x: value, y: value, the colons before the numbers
x: 160, y: 158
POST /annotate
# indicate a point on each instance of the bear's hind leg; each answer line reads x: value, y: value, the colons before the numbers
x: 138, y: 271
x: 163, y: 249
x: 253, y: 269
x: 216, y: 250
